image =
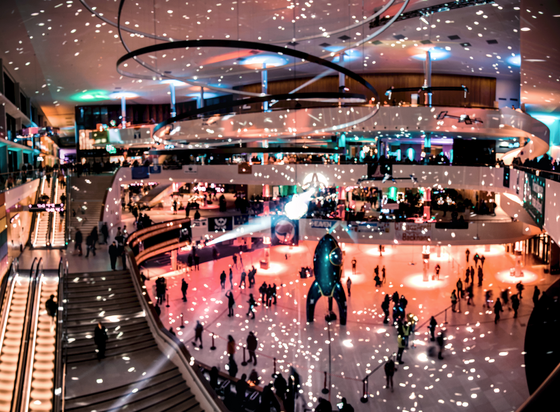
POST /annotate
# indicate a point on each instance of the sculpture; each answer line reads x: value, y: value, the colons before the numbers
x: 327, y: 266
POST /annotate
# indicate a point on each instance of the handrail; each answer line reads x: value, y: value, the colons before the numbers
x: 54, y: 186
x: 159, y: 227
x: 58, y: 378
x: 23, y: 349
x: 34, y: 215
x: 105, y: 198
x: 182, y: 352
x: 9, y: 278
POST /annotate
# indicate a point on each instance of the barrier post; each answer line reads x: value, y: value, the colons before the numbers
x: 167, y: 299
x: 364, y: 397
x: 182, y: 323
x: 213, y: 347
x: 244, y: 363
x: 445, y: 322
x: 274, y: 366
x: 325, y: 390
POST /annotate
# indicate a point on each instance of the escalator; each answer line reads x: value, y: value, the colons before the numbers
x: 28, y: 340
x: 49, y: 227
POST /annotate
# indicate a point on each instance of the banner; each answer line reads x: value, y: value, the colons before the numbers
x: 140, y: 172
x: 533, y: 197
x: 370, y: 227
x: 155, y: 169
x: 191, y: 170
x: 220, y: 223
x: 322, y: 224
x: 413, y: 232
x: 240, y: 220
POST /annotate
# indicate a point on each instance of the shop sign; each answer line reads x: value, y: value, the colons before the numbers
x: 322, y: 224
x: 413, y: 232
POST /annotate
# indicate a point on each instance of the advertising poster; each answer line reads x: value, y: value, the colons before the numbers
x: 283, y: 231
x: 533, y: 197
x: 220, y: 223
x: 413, y: 232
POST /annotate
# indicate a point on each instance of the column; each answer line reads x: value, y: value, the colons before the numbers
x: 123, y: 112
x: 264, y: 85
x: 428, y: 78
x: 172, y: 92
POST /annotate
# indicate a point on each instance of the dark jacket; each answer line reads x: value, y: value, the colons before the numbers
x: 252, y: 342
x: 79, y: 238
x: 100, y: 336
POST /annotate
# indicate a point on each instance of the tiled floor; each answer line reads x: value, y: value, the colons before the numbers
x: 483, y: 365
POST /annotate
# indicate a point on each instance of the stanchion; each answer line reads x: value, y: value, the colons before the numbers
x: 182, y: 323
x: 325, y: 390
x: 167, y: 301
x: 244, y: 363
x: 365, y: 395
x: 445, y: 321
x: 213, y: 347
x: 274, y: 374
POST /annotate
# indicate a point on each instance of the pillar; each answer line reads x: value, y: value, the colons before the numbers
x: 427, y: 203
x: 200, y: 99
x: 123, y: 111
x: 264, y: 85
x: 174, y: 259
x: 172, y: 92
x: 428, y: 78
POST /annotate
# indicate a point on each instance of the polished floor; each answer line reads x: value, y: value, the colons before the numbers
x: 483, y: 362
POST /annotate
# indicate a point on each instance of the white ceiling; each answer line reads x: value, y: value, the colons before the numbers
x: 57, y: 50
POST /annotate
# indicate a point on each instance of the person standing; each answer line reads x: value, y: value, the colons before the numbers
x: 184, y: 288
x: 252, y: 347
x: 482, y: 259
x: 377, y: 280
x: 376, y: 272
x: 383, y: 279
x: 441, y: 344
x: 78, y: 239
x: 346, y: 407
x: 470, y: 294
x: 460, y: 289
x: 515, y: 305
x: 438, y: 268
x: 497, y: 310
x: 230, y: 278
x: 223, y: 279
x: 94, y: 237
x: 198, y: 329
x: 467, y: 254
x: 241, y: 387
x: 230, y: 349
x: 242, y: 281
x: 432, y: 327
x: 476, y: 258
x: 52, y: 307
x: 234, y: 257
x: 252, y: 304
x: 453, y: 300
x: 401, y: 344
x: 196, y: 262
x: 389, y: 372
x: 385, y: 308
x: 89, y: 245
x: 105, y: 233
x: 231, y: 303
x: 274, y: 293
x: 349, y: 285
x: 480, y: 276
x: 354, y: 263
x: 536, y: 295
x: 262, y: 291
x: 113, y: 255
x: 100, y: 338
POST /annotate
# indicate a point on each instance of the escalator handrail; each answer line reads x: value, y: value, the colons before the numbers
x: 35, y: 214
x: 8, y: 279
x: 17, y: 396
x: 58, y: 379
x: 50, y: 218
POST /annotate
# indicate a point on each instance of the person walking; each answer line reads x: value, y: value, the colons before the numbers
x: 497, y: 310
x: 515, y: 305
x: 389, y: 372
x: 184, y: 288
x: 113, y: 255
x: 476, y: 257
x: 482, y: 259
x: 78, y: 239
x: 231, y: 303
x: 252, y: 344
x: 100, y: 339
x: 453, y: 301
x: 262, y: 291
x: 467, y: 254
x: 349, y: 285
x: 401, y: 345
x: 105, y: 233
x: 488, y: 298
x: 536, y: 295
x: 89, y: 245
x: 378, y: 281
x: 438, y: 268
x: 354, y: 263
x: 94, y: 238
x: 196, y: 262
x: 480, y: 276
x: 385, y: 308
x: 376, y: 272
x: 230, y: 278
x: 234, y: 257
x: 230, y: 349
x: 470, y: 294
x: 383, y: 279
x: 242, y: 283
x: 505, y: 296
x: 223, y: 279
x: 252, y: 304
x: 198, y: 329
x: 432, y: 327
x: 520, y: 289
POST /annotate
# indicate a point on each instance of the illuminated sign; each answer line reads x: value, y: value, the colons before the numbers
x: 47, y: 207
x: 314, y: 180
x: 111, y: 149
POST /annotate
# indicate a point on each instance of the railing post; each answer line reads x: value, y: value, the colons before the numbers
x: 213, y: 347
x: 325, y: 390
x: 182, y: 322
x: 365, y: 395
x: 244, y: 363
x: 445, y: 322
x: 167, y: 301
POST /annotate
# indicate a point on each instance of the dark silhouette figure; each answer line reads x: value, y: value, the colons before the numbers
x: 184, y: 288
x: 51, y: 306
x: 515, y: 305
x: 252, y: 347
x: 432, y: 327
x: 198, y: 329
x: 100, y: 338
x: 536, y: 295
x: 497, y: 310
x: 389, y: 372
x: 231, y: 303
x: 385, y: 307
x: 252, y: 304
x: 113, y: 255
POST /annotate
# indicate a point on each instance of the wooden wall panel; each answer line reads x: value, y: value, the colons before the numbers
x: 482, y: 90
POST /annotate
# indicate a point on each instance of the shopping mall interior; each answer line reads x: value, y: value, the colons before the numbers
x: 298, y: 206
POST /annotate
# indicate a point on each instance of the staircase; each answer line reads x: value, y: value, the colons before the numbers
x: 39, y: 236
x: 86, y: 196
x: 110, y: 297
